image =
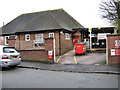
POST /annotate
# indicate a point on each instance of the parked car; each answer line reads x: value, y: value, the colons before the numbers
x: 9, y: 56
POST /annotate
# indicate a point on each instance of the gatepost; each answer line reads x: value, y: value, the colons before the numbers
x: 113, y: 49
x: 50, y: 48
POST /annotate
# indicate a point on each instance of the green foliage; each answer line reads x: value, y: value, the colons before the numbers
x: 105, y: 62
x: 117, y: 25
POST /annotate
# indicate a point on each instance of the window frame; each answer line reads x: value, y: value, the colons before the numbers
x: 6, y: 40
x: 67, y: 36
x: 39, y: 36
x: 50, y: 34
x: 27, y: 37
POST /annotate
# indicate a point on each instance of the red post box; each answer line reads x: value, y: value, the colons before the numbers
x: 50, y: 54
x: 80, y: 48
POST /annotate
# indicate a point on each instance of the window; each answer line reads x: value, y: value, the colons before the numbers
x: 51, y: 35
x: 1, y: 38
x: 9, y: 50
x: 67, y: 36
x: 6, y: 40
x: 39, y: 37
x: 27, y: 37
x: 39, y: 44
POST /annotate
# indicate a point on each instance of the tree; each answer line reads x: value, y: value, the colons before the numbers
x: 111, y: 12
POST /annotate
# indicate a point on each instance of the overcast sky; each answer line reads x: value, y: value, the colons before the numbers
x: 86, y: 12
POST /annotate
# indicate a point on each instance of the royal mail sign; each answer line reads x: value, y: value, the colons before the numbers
x: 50, y: 55
x: 115, y: 52
x: 117, y: 43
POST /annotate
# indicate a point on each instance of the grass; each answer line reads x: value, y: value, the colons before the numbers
x: 105, y: 62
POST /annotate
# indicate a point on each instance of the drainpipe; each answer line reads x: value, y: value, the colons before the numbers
x: 19, y: 40
x: 59, y: 43
x: 106, y: 50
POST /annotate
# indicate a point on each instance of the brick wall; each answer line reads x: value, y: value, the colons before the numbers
x: 34, y: 55
x: 66, y: 45
x: 48, y: 44
x: 111, y: 45
x: 11, y: 42
x: 2, y: 40
x: 56, y: 35
x: 32, y: 37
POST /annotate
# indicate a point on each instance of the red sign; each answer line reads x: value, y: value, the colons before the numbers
x: 50, y: 55
x: 117, y: 52
x: 75, y: 40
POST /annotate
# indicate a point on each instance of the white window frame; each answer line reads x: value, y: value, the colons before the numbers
x: 1, y: 38
x: 67, y: 36
x: 40, y: 36
x: 26, y: 36
x: 6, y: 40
x: 51, y: 34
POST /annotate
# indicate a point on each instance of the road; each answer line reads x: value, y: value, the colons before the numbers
x: 32, y: 78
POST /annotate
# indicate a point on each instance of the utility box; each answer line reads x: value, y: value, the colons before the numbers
x: 80, y: 48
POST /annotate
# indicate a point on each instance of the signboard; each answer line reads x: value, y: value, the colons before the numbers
x: 49, y: 52
x: 117, y: 43
x: 115, y: 52
x: 112, y: 52
x: 50, y: 55
x: 90, y: 30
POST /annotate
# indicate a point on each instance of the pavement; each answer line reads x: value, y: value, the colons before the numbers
x: 77, y: 68
x: 89, y: 63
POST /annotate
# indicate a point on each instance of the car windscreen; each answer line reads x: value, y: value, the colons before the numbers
x: 9, y: 50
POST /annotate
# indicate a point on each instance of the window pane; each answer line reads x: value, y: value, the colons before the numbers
x: 9, y: 50
x: 67, y: 36
x: 27, y: 37
x: 51, y: 35
x: 39, y: 37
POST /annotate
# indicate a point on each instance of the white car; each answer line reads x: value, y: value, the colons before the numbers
x: 9, y: 56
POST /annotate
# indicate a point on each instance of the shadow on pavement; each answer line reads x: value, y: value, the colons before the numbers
x: 8, y: 68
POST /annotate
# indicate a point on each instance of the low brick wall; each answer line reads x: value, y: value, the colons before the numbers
x: 34, y: 55
x: 12, y: 42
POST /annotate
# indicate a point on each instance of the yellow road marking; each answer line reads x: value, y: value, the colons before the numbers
x: 75, y: 60
x: 58, y: 59
x: 98, y: 49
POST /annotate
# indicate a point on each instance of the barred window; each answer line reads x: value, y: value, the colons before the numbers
x: 67, y: 36
x: 39, y: 37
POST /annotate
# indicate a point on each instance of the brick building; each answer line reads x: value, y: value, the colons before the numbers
x: 34, y: 33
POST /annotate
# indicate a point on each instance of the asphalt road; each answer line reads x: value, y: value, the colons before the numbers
x: 32, y: 78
